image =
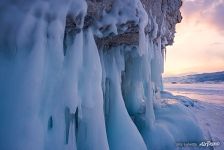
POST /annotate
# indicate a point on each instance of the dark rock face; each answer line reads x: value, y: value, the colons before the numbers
x: 162, y: 13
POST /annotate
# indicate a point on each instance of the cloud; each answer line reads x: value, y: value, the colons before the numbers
x: 217, y: 43
x: 218, y: 16
x: 206, y: 11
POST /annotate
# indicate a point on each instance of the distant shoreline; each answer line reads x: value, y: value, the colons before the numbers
x: 214, y: 77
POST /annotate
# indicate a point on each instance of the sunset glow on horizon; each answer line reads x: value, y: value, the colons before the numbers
x: 199, y: 41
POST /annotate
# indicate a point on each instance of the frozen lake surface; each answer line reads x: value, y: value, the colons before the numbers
x: 207, y: 92
x: 209, y: 108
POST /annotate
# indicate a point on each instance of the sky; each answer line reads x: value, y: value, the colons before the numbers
x: 199, y: 42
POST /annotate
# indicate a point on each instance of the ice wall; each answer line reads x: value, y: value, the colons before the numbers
x: 86, y: 75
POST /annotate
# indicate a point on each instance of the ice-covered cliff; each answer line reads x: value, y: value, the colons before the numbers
x: 86, y: 75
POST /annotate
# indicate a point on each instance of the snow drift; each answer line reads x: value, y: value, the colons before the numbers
x: 86, y: 75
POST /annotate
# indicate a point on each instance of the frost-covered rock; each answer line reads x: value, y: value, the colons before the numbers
x: 86, y: 75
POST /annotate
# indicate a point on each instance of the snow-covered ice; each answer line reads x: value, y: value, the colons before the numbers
x: 206, y: 101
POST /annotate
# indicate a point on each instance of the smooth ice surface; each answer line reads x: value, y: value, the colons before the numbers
x: 207, y: 92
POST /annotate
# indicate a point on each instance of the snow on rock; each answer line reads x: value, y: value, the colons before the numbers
x: 87, y: 75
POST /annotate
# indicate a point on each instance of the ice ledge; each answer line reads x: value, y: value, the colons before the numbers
x: 123, y: 28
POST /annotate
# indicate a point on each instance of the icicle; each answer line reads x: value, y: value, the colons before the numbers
x: 142, y: 24
x: 121, y: 131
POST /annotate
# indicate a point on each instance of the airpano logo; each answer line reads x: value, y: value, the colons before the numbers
x: 209, y: 143
x: 202, y: 144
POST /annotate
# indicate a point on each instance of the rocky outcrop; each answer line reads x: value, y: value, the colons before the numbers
x: 162, y: 13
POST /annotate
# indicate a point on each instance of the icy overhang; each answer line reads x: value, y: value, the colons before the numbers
x: 118, y: 22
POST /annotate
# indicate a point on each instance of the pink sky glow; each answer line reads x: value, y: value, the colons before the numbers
x: 199, y: 41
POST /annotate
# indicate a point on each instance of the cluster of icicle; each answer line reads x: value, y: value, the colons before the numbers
x: 88, y: 98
